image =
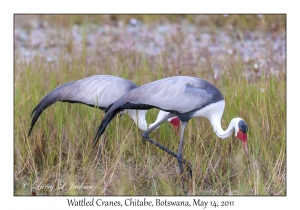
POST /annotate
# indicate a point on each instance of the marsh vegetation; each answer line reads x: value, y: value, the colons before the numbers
x: 242, y: 55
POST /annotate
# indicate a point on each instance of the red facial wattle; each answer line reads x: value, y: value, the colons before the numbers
x: 243, y: 137
x: 175, y: 121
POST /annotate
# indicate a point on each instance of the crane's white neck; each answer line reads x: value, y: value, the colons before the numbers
x: 214, y: 113
x: 216, y: 124
x: 139, y: 117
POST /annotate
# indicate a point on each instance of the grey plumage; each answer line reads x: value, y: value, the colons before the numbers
x: 175, y: 94
x: 179, y: 94
x: 97, y: 91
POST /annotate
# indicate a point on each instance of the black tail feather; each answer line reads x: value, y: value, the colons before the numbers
x: 48, y: 100
x: 110, y: 114
x: 106, y: 120
x: 36, y: 113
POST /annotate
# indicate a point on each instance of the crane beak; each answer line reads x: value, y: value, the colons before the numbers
x: 246, y: 149
x: 243, y: 137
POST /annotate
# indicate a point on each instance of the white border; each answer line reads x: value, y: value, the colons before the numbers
x: 254, y: 6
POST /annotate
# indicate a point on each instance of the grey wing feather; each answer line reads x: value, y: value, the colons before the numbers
x: 181, y: 93
x: 99, y: 91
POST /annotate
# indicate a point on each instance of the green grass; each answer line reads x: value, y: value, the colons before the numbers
x: 59, y: 148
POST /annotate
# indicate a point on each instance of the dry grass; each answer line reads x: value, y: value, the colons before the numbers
x: 244, y: 56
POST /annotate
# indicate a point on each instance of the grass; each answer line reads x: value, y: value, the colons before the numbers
x: 58, y: 153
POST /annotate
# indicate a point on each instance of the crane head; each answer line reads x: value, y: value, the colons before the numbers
x: 241, y: 133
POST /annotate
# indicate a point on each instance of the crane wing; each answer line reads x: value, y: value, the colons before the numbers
x: 99, y: 91
x: 182, y: 94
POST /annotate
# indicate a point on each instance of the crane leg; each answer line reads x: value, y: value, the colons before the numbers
x: 147, y: 138
x: 180, y: 149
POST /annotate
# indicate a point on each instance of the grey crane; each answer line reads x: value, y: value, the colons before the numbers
x: 184, y: 97
x: 99, y: 91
